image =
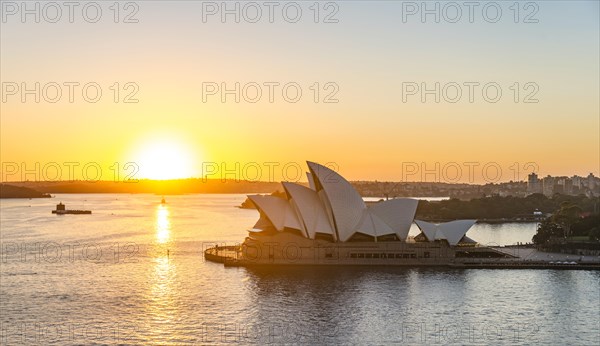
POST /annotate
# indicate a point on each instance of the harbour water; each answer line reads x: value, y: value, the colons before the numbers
x: 133, y: 273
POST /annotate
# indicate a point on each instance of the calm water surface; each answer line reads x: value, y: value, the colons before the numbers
x: 133, y: 273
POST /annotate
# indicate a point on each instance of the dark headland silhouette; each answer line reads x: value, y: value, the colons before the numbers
x: 10, y: 191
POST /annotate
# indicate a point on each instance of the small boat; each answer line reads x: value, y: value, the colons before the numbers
x: 163, y: 201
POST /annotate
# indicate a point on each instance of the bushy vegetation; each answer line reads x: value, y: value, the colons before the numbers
x: 500, y: 207
x: 568, y: 224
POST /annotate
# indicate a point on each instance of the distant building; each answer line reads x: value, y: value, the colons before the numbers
x: 548, y: 186
x: 577, y: 181
x: 591, y: 181
x: 533, y: 183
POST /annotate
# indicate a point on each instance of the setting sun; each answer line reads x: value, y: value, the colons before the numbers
x: 164, y: 159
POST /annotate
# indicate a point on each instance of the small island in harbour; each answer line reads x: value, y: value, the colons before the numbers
x: 61, y: 210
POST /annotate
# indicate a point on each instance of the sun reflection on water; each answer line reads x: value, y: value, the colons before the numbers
x: 162, y: 307
x: 162, y: 278
x: 163, y: 224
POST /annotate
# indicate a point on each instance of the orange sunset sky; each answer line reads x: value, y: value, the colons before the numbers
x: 172, y: 54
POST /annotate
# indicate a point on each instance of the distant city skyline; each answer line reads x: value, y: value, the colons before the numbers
x: 53, y: 172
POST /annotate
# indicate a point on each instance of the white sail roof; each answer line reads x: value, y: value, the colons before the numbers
x: 452, y: 231
x: 398, y: 214
x: 341, y: 199
x: 277, y: 210
x: 430, y: 230
x: 311, y: 181
x: 263, y: 223
x: 372, y: 225
x: 332, y: 206
x: 310, y: 208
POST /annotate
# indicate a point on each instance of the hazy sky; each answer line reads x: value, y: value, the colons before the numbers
x: 370, y: 61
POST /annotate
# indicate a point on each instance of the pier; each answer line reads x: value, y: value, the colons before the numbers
x: 524, y: 258
x: 228, y: 255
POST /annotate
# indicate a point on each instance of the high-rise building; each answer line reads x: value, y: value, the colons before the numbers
x: 591, y: 181
x: 548, y: 186
x: 533, y: 183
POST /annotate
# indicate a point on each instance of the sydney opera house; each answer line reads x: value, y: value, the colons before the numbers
x: 329, y: 223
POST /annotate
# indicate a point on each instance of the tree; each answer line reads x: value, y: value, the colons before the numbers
x: 547, y: 229
x: 566, y: 216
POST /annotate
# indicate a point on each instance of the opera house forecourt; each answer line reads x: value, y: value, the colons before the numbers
x: 328, y: 223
